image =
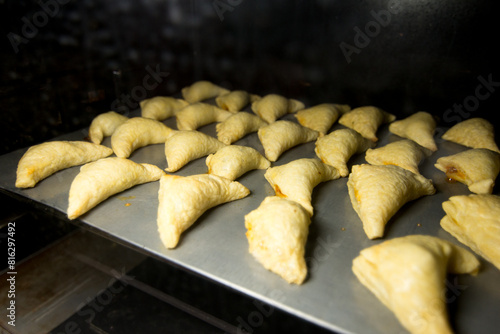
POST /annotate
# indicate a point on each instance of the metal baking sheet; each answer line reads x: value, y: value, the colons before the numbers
x: 216, y: 246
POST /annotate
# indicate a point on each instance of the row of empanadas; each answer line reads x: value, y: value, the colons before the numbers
x: 366, y: 120
x: 274, y: 106
x: 235, y: 100
x: 321, y: 117
x: 199, y: 114
x: 161, y: 107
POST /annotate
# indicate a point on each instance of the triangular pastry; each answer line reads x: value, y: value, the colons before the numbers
x: 474, y: 132
x: 475, y: 221
x: 337, y: 147
x: 477, y: 168
x: 366, y: 120
x: 182, y: 200
x: 161, y: 107
x: 188, y: 145
x: 104, y: 125
x: 202, y: 90
x: 321, y: 117
x: 297, y: 179
x: 235, y: 100
x: 43, y: 160
x: 234, y: 160
x: 198, y: 114
x: 280, y: 136
x: 138, y: 132
x: 101, y: 179
x: 274, y: 106
x: 237, y: 126
x: 378, y: 192
x: 418, y: 127
x: 408, y: 274
x: 277, y: 234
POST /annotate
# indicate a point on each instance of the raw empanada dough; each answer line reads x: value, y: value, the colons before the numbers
x: 366, y: 120
x: 280, y: 136
x: 277, y: 234
x: 273, y: 106
x: 408, y: 274
x: 188, y: 145
x: 474, y: 133
x: 477, y: 168
x: 322, y: 116
x: 182, y: 200
x: 233, y: 161
x: 236, y: 100
x: 101, y: 179
x: 337, y: 147
x: 475, y: 221
x: 104, y: 125
x: 297, y: 179
x: 237, y: 126
x: 418, y: 127
x: 198, y: 114
x: 378, y: 192
x: 138, y: 132
x: 202, y: 90
x: 161, y: 107
x: 43, y: 160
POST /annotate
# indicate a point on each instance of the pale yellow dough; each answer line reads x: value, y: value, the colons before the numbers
x: 408, y: 275
x: 234, y: 160
x: 237, y: 126
x: 474, y: 133
x: 202, y: 90
x: 161, y: 107
x: 277, y: 234
x: 43, y: 160
x: 366, y: 120
x: 418, y: 127
x: 378, y: 192
x: 274, y: 106
x: 235, y: 100
x: 198, y: 114
x: 182, y: 200
x: 475, y: 221
x: 101, y: 179
x: 104, y: 125
x: 321, y: 117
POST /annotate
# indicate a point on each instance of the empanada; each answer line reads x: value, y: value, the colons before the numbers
x: 202, y: 90
x: 198, y: 114
x: 297, y: 179
x: 321, y: 117
x: 273, y: 106
x: 161, y: 107
x: 366, y: 120
x: 408, y: 274
x: 280, y: 136
x: 477, y: 168
x: 101, y: 179
x: 234, y: 160
x: 185, y: 146
x: 237, y: 126
x: 104, y: 125
x: 182, y: 200
x: 474, y: 132
x: 475, y: 221
x: 418, y: 127
x: 337, y: 147
x: 235, y: 100
x: 43, y: 160
x: 378, y: 192
x: 277, y: 234
x: 138, y: 132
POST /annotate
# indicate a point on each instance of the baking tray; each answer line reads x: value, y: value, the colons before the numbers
x: 216, y: 246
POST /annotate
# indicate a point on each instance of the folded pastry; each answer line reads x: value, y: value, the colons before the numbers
x: 297, y: 179
x: 378, y: 192
x: 273, y: 106
x: 408, y: 275
x: 104, y: 125
x: 233, y: 161
x: 138, y: 132
x: 418, y: 127
x: 321, y: 117
x: 280, y: 136
x: 182, y: 200
x: 161, y: 107
x: 185, y: 146
x: 277, y: 234
x: 202, y: 90
x: 101, y: 179
x: 236, y: 100
x: 477, y: 168
x: 366, y: 120
x: 237, y: 126
x: 43, y: 160
x: 337, y: 147
x: 474, y: 132
x: 474, y: 221
x: 198, y: 114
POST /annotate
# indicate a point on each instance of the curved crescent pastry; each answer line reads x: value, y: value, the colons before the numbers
x: 138, y: 132
x: 366, y: 120
x: 408, y: 275
x: 277, y: 234
x: 280, y: 136
x: 321, y: 117
x: 202, y: 90
x: 378, y: 192
x: 337, y: 147
x: 43, y: 160
x: 273, y: 106
x: 233, y: 161
x: 182, y: 200
x: 297, y: 179
x: 418, y: 127
x: 104, y: 125
x: 474, y: 221
x: 477, y: 168
x: 161, y: 107
x: 235, y: 100
x: 474, y: 133
x: 198, y: 114
x: 237, y: 126
x: 103, y: 178
x: 187, y: 145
